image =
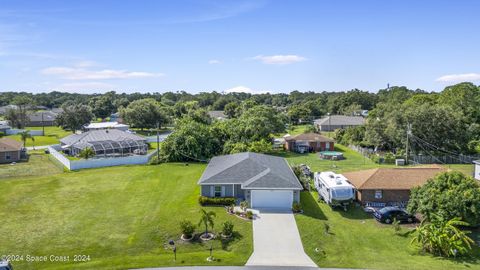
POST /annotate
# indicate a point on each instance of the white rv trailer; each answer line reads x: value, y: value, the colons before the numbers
x: 334, y: 189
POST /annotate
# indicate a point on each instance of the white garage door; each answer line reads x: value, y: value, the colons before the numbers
x: 272, y: 198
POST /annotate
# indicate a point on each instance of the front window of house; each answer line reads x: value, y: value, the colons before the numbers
x: 7, y: 157
x: 378, y: 194
x: 218, y: 191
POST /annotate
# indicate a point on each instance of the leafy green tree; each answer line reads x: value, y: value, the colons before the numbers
x: 74, y: 116
x: 103, y: 106
x: 442, y: 237
x: 448, y: 195
x: 464, y: 97
x: 262, y: 146
x: 191, y: 141
x: 299, y: 112
x: 207, y: 219
x: 145, y: 113
x: 187, y: 228
x: 231, y: 109
x: 87, y: 153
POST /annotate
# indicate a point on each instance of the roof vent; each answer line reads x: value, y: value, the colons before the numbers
x: 338, y: 180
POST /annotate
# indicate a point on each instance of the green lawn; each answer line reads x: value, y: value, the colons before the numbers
x: 121, y: 216
x: 37, y: 165
x: 52, y: 136
x: 353, y: 161
x: 358, y: 241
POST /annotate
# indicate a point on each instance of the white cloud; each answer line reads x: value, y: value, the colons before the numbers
x: 244, y: 89
x: 214, y: 61
x: 460, y: 77
x: 82, y: 73
x: 279, y: 59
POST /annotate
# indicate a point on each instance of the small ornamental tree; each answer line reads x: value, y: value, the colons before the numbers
x: 187, y: 228
x: 207, y: 220
x: 227, y: 228
x: 448, y: 195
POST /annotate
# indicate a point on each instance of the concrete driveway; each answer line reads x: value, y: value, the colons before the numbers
x: 276, y: 240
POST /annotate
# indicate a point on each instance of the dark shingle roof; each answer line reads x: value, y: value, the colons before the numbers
x: 251, y: 170
x: 48, y: 116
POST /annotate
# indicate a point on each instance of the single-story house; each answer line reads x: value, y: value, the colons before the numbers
x: 115, y: 117
x: 389, y: 185
x: 264, y: 181
x: 476, y: 170
x: 217, y: 115
x: 333, y: 122
x: 4, y: 109
x: 105, y: 143
x: 309, y: 142
x: 107, y: 125
x: 11, y: 150
x: 43, y: 118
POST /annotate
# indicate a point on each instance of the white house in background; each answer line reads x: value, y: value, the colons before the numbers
x: 476, y: 173
x: 107, y: 125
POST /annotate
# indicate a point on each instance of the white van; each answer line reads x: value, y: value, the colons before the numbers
x: 334, y: 189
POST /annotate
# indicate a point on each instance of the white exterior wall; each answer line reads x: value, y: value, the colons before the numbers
x: 98, y: 162
x: 16, y: 131
x: 477, y: 171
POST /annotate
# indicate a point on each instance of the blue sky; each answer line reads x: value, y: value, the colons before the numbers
x: 222, y: 45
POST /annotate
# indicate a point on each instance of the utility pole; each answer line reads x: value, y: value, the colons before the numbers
x: 158, y: 143
x: 409, y: 132
x: 43, y: 126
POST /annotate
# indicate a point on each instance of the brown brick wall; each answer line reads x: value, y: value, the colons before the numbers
x: 387, y: 196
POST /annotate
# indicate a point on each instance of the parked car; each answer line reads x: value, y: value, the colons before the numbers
x: 5, y: 265
x: 389, y: 214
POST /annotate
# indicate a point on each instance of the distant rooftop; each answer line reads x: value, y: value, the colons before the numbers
x: 341, y: 120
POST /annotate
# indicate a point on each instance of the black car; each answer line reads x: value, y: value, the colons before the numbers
x: 389, y: 214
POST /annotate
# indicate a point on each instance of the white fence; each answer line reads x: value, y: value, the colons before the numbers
x: 98, y: 162
x: 16, y: 131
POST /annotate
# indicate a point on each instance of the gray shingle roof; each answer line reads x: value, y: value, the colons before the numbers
x: 99, y: 136
x: 48, y: 116
x: 341, y: 120
x: 251, y: 170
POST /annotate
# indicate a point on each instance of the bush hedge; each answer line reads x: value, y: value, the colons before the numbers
x: 216, y: 201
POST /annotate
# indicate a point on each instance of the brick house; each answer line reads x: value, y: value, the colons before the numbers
x: 10, y: 150
x: 389, y: 185
x: 309, y: 142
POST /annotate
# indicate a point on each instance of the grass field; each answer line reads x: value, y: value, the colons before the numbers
x: 122, y: 217
x: 37, y: 165
x: 358, y: 241
x: 52, y: 136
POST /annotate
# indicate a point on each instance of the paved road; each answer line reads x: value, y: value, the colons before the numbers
x: 276, y: 241
x: 239, y: 268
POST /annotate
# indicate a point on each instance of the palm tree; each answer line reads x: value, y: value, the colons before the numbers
x: 207, y: 219
x: 24, y: 135
x: 87, y: 153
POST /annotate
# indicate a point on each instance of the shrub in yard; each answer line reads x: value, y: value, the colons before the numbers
x: 187, y: 228
x: 216, y: 201
x: 244, y: 205
x: 396, y: 226
x: 227, y: 228
x: 442, y: 237
x: 296, y: 207
x: 249, y: 214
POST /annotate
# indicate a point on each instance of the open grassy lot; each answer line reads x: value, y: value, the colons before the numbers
x: 52, y: 136
x: 353, y: 160
x: 37, y: 165
x: 122, y: 217
x: 358, y: 241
